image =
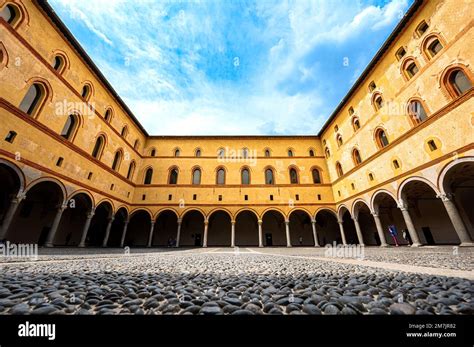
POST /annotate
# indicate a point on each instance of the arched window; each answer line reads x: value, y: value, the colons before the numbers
x: 356, y: 157
x: 339, y: 140
x: 245, y: 153
x: 339, y: 169
x: 59, y: 63
x: 177, y: 152
x: 220, y: 176
x: 117, y: 161
x: 70, y: 127
x: 377, y: 101
x: 381, y: 138
x: 458, y: 83
x: 421, y: 28
x: 293, y: 176
x: 432, y: 46
x: 245, y: 176
x: 197, y: 176
x: 355, y: 123
x: 131, y: 170
x: 86, y: 91
x: 33, y: 99
x: 410, y: 68
x: 351, y: 111
x: 136, y: 144
x: 416, y: 111
x: 269, y: 178
x: 124, y: 132
x: 267, y: 153
x: 10, y: 14
x: 327, y: 153
x: 108, y: 115
x: 290, y: 152
x: 173, y: 176
x: 316, y: 176
x: 148, y: 176
x: 221, y: 153
x: 153, y: 152
x: 198, y: 152
x: 311, y: 153
x: 99, y: 147
x: 400, y: 53
x: 372, y: 86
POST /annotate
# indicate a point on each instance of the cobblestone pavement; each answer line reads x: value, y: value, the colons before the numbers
x: 225, y: 281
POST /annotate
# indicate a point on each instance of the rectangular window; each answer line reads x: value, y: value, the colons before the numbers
x: 319, y: 197
x: 89, y: 176
x: 353, y: 186
x: 60, y: 161
x: 246, y: 197
x: 432, y: 145
x: 10, y: 137
x: 170, y: 197
x: 144, y: 197
x: 395, y: 164
x: 220, y: 197
x: 297, y: 197
x: 271, y: 197
x: 339, y: 192
x: 112, y: 186
x: 194, y: 196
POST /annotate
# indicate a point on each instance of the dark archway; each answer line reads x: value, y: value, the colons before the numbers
x: 73, y: 220
x: 115, y: 236
x: 327, y: 228
x: 219, y: 231
x: 349, y: 227
x: 192, y: 229
x: 9, y: 188
x: 166, y: 228
x: 274, y: 229
x: 36, y: 213
x: 138, y: 230
x: 246, y: 229
x: 301, y: 231
x: 428, y: 214
x: 98, y: 227
x: 459, y: 181
x: 367, y: 225
x: 390, y: 215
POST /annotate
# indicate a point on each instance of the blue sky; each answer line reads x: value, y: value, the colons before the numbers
x: 207, y: 67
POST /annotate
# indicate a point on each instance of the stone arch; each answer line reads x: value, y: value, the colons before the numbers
x: 219, y: 228
x: 192, y: 227
x: 48, y: 179
x: 121, y: 217
x: 103, y: 213
x: 301, y: 230
x: 357, y: 202
x: 350, y: 232
x: 415, y: 178
x: 363, y: 214
x: 139, y: 227
x: 109, y: 202
x: 273, y: 227
x: 327, y: 226
x: 246, y: 228
x: 166, y: 228
x: 374, y: 196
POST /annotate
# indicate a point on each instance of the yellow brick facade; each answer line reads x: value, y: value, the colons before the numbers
x: 425, y: 192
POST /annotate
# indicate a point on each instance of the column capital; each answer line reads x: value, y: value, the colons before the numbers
x: 340, y: 221
x: 287, y: 222
x: 63, y: 206
x: 260, y: 222
x: 90, y: 214
x: 355, y: 219
x: 313, y: 221
x: 111, y: 219
x: 375, y: 214
x: 232, y: 222
x: 445, y: 197
x: 20, y: 196
x: 180, y: 220
x: 206, y: 222
x: 152, y: 222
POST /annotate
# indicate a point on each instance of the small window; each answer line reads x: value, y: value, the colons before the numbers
x: 319, y: 197
x: 353, y: 186
x: 311, y: 153
x: 267, y: 153
x: 432, y: 145
x: 198, y: 153
x: 220, y: 197
x: 108, y: 115
x: 411, y: 69
x: 144, y: 197
x: 421, y: 28
x: 99, y: 146
x: 170, y: 197
x: 177, y: 152
x: 124, y: 132
x: 339, y: 169
x: 290, y: 153
x: 316, y: 176
x: 378, y: 102
x: 327, y: 153
x: 59, y: 63
x: 400, y: 53
x: 371, y: 176
x: 339, y: 140
x: 117, y: 161
x: 221, y: 153
x: 10, y: 136
x: 459, y: 82
x: 220, y: 176
x: 148, y: 176
x: 339, y: 192
x: 112, y: 186
x: 356, y: 157
x: 336, y: 128
x: 245, y: 153
x: 197, y: 176
x: 131, y: 170
x: 135, y: 144
x: 60, y: 161
x: 86, y: 91
x: 355, y: 124
x: 10, y: 14
x: 293, y: 176
x: 434, y: 48
x: 153, y: 153
x: 297, y: 197
x: 246, y: 197
x: 89, y: 176
x: 372, y: 86
x: 33, y: 99
x: 417, y: 112
x: 173, y: 177
x: 396, y: 164
x: 194, y: 196
x: 271, y: 197
x: 351, y: 111
x: 70, y: 127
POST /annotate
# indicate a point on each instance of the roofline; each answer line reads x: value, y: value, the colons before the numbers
x: 46, y: 7
x: 386, y: 45
x: 188, y: 137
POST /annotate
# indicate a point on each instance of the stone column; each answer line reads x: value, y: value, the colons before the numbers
x: 124, y: 233
x: 260, y: 237
x: 315, y: 234
x: 54, y: 227
x: 409, y: 223
x: 206, y: 228
x: 341, y: 229
x: 456, y: 219
x: 14, y: 204
x: 178, y: 232
x: 287, y: 229
x: 359, y: 233
x: 232, y: 234
x: 150, y: 236
x: 107, y: 232
x: 378, y: 224
x: 85, y: 229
